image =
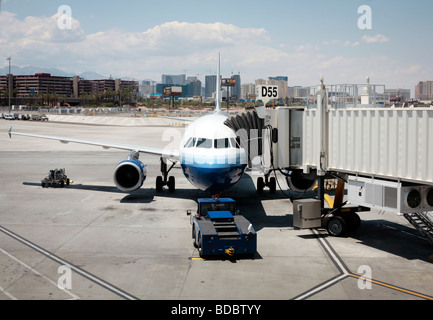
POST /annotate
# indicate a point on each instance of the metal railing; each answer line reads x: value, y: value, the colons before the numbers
x: 350, y: 96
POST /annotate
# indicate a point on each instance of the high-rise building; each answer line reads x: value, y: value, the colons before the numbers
x: 424, y: 90
x: 194, y: 88
x: 279, y: 78
x: 236, y: 90
x: 247, y: 91
x: 210, y: 85
x: 25, y: 86
x: 281, y: 82
x: 147, y: 87
x: 173, y: 79
x: 397, y: 94
x: 189, y: 90
x: 298, y: 92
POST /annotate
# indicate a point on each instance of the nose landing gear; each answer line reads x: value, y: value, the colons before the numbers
x: 165, y: 180
x: 271, y: 183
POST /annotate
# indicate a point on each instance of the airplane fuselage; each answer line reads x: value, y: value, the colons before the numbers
x: 210, y: 156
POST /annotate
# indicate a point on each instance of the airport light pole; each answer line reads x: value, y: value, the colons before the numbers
x: 228, y: 82
x: 9, y: 84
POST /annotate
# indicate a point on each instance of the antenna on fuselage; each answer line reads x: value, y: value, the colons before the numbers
x: 218, y: 88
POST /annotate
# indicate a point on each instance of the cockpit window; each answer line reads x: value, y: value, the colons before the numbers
x: 204, y: 143
x: 190, y: 143
x: 221, y: 143
x: 187, y: 143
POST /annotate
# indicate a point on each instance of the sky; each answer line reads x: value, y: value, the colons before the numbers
x: 303, y: 40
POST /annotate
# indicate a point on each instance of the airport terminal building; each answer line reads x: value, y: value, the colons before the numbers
x: 29, y: 87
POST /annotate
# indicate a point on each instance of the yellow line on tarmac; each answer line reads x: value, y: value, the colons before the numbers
x: 393, y: 287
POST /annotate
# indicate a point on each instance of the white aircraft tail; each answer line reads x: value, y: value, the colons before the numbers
x: 218, y: 88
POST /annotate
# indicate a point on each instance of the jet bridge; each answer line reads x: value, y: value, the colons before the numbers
x: 383, y: 154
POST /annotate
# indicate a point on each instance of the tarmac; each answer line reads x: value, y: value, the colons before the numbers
x: 89, y: 241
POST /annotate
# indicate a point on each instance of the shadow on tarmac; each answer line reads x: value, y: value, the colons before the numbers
x: 381, y: 234
x: 394, y: 238
x: 249, y: 201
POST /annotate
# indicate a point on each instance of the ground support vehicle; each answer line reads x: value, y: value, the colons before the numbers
x: 55, y: 178
x: 218, y: 231
x: 338, y: 219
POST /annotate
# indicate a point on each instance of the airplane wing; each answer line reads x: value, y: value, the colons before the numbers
x: 170, y: 154
x: 185, y: 119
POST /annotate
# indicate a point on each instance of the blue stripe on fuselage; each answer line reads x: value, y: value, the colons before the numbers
x: 213, y: 178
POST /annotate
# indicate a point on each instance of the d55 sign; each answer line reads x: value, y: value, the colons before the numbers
x: 266, y: 92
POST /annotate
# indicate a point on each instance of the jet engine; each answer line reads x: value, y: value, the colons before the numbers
x: 300, y: 182
x: 130, y: 174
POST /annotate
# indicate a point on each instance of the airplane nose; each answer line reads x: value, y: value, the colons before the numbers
x: 213, y: 178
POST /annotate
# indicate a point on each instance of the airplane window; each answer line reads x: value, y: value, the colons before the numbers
x: 221, y: 143
x: 190, y: 143
x: 234, y: 143
x: 204, y: 143
x: 187, y: 143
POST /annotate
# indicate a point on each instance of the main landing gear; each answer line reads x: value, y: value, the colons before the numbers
x: 165, y: 180
x: 267, y: 181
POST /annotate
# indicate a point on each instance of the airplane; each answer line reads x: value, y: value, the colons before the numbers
x: 210, y: 155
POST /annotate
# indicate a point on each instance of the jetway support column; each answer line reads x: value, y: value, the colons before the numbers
x: 321, y: 190
x: 339, y: 194
x: 321, y: 111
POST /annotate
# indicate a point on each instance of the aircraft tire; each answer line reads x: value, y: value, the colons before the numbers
x: 260, y: 184
x: 272, y: 185
x: 171, y: 184
x: 159, y: 183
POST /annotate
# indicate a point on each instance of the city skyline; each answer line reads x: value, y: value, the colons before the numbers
x: 73, y: 86
x: 144, y: 39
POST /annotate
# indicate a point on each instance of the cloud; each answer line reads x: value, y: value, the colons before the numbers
x: 174, y: 46
x: 342, y: 43
x: 375, y: 39
x: 168, y: 47
x: 350, y: 44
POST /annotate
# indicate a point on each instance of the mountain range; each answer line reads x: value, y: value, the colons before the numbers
x: 30, y: 70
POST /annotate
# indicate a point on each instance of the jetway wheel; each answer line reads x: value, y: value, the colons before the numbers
x: 341, y: 225
x: 353, y: 221
x: 336, y: 226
